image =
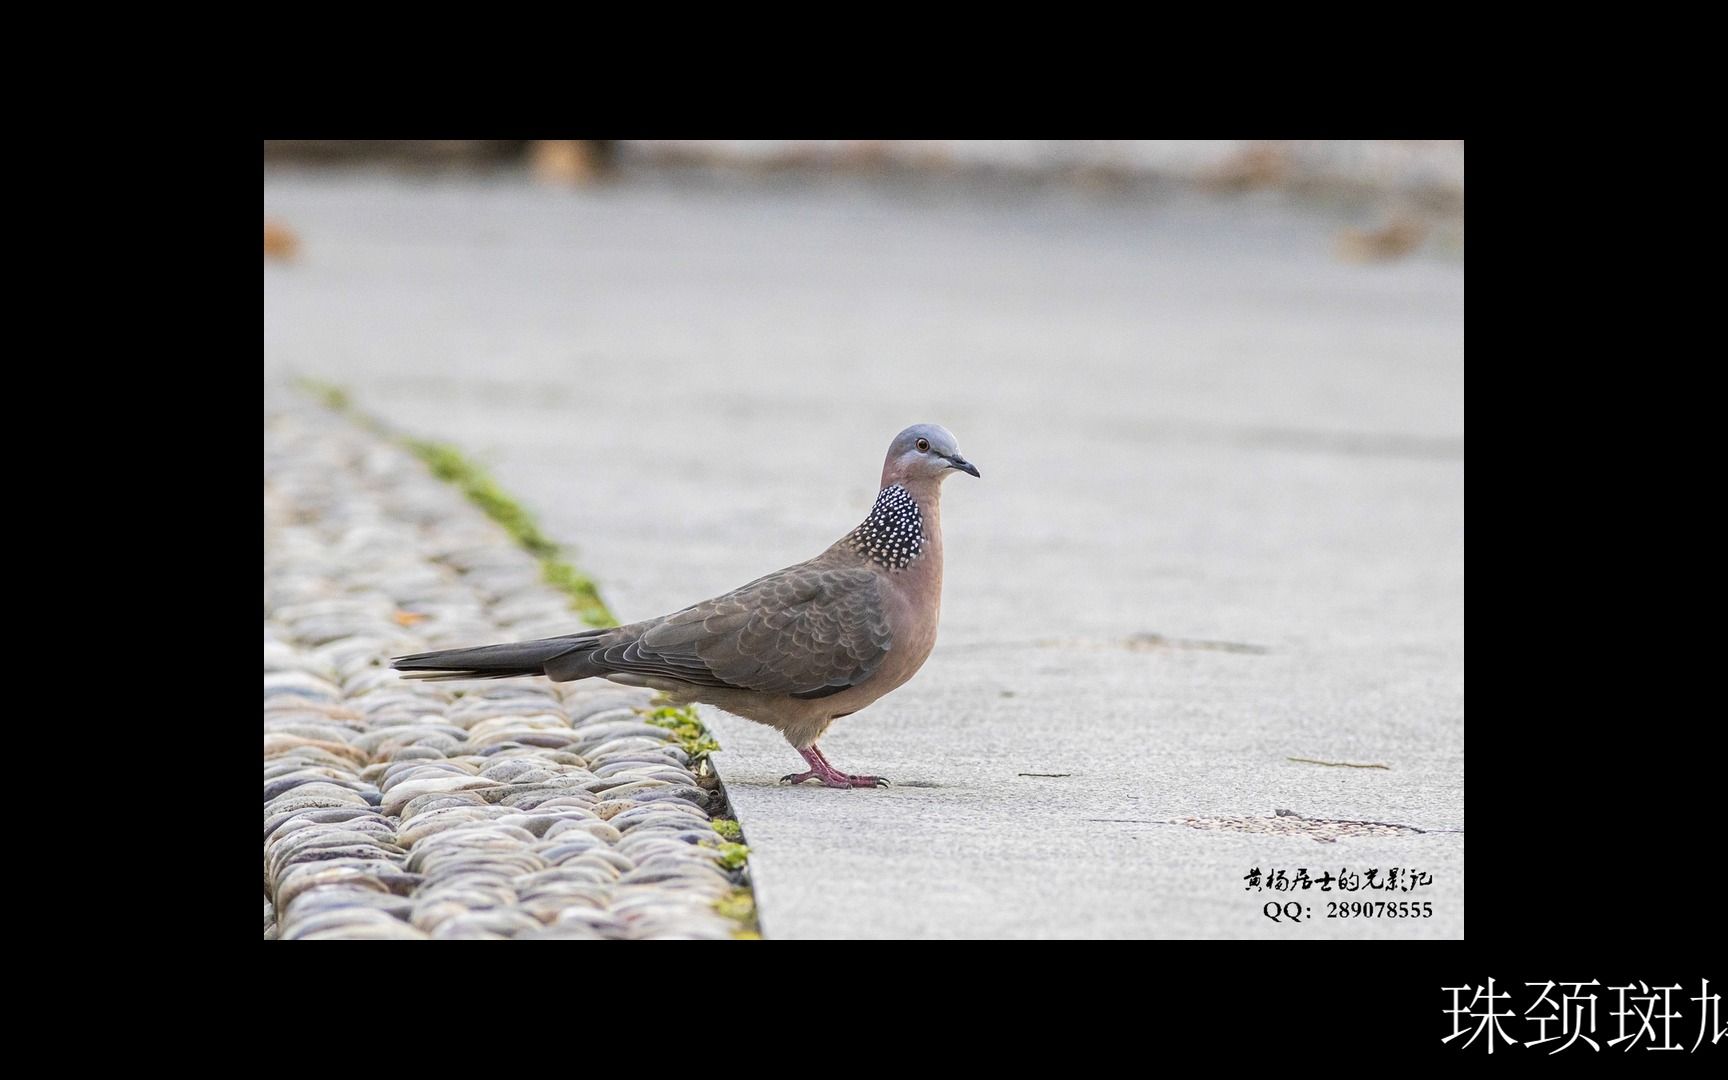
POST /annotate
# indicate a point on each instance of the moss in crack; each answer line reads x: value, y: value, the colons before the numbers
x: 450, y: 465
x: 338, y: 400
x: 732, y: 856
x: 330, y: 395
x: 727, y: 828
x: 739, y: 905
x: 580, y: 588
x: 686, y: 726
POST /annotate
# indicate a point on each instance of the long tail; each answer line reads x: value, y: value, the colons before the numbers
x: 492, y: 661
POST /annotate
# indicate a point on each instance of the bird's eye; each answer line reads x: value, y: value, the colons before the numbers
x: 923, y: 446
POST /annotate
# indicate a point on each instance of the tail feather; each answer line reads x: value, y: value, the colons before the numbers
x: 491, y: 661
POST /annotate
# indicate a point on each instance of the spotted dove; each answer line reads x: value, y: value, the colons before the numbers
x: 797, y: 649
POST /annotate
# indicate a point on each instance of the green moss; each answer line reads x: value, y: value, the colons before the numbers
x: 685, y: 726
x: 338, y: 400
x: 329, y: 394
x: 728, y: 828
x: 740, y: 906
x: 580, y: 588
x: 734, y: 856
x: 450, y: 465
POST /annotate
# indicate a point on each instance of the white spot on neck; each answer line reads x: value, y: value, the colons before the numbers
x: 893, y: 535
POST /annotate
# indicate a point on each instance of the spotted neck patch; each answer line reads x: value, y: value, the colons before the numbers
x: 893, y: 534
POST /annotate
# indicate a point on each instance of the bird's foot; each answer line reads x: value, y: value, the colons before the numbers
x: 835, y: 779
x: 821, y: 770
x: 829, y: 778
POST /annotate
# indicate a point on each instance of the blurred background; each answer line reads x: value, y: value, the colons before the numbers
x: 646, y: 317
x: 1216, y: 391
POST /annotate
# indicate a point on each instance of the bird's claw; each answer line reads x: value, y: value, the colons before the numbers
x: 835, y: 780
x: 828, y: 780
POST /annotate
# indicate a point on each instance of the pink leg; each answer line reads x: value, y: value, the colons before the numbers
x: 821, y: 770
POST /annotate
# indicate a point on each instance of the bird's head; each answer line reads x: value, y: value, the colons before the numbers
x: 923, y: 453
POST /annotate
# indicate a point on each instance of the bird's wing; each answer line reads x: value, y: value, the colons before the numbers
x: 808, y: 631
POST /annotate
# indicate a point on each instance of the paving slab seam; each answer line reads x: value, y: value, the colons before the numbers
x: 500, y: 809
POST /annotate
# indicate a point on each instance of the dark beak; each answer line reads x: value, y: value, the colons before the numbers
x: 963, y: 465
